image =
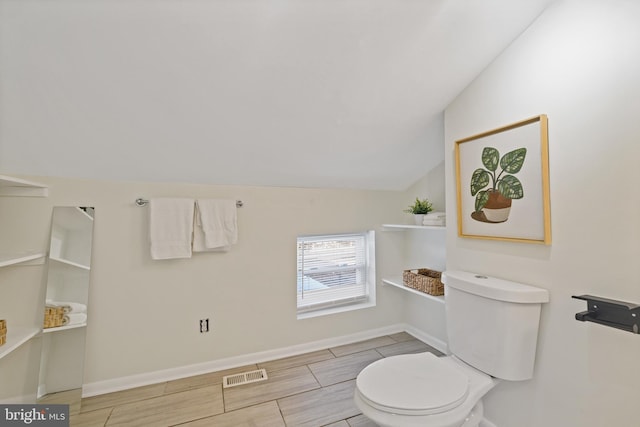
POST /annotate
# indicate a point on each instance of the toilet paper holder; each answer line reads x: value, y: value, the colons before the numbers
x: 616, y: 314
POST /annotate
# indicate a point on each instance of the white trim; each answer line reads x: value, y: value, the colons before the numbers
x: 334, y: 310
x: 434, y: 342
x: 358, y: 291
x: 138, y: 380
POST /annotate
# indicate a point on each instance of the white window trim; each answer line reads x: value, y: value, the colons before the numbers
x: 366, y: 302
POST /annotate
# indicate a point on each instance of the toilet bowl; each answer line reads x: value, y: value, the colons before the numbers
x: 422, y: 390
x: 492, y: 330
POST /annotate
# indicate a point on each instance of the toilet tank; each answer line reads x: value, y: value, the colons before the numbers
x: 492, y: 324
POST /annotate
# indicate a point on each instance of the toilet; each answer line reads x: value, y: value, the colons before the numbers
x: 492, y: 328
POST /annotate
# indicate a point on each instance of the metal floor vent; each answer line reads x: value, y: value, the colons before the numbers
x: 244, y: 378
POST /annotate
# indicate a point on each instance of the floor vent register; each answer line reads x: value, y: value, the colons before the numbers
x: 244, y: 378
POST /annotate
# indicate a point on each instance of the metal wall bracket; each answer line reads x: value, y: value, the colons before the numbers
x: 608, y: 312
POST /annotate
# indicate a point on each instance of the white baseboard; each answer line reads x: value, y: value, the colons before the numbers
x: 139, y: 380
x: 428, y: 339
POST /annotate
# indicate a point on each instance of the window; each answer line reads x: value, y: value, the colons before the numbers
x: 335, y: 271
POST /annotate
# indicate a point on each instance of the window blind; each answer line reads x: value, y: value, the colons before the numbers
x: 332, y: 270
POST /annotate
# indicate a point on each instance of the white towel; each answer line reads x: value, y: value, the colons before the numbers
x: 435, y: 218
x: 74, y: 319
x: 215, y: 225
x: 436, y: 215
x: 68, y: 306
x: 170, y: 227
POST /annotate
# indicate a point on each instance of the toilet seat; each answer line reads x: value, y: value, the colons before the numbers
x: 413, y: 384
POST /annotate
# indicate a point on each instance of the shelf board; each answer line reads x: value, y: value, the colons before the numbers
x: 16, y: 187
x: 70, y: 263
x: 64, y: 328
x: 414, y: 227
x: 28, y: 258
x: 397, y: 282
x: 16, y: 336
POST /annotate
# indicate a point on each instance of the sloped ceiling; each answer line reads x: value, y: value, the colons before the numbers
x: 313, y: 93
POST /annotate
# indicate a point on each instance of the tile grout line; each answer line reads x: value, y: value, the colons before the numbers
x: 314, y: 375
x: 280, y: 411
x: 224, y: 404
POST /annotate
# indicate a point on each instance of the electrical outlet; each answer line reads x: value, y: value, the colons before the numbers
x: 204, y: 325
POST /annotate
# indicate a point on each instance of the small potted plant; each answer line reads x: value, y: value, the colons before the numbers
x: 419, y: 209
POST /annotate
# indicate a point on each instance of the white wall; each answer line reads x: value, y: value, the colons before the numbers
x: 426, y: 249
x: 579, y: 64
x: 144, y: 314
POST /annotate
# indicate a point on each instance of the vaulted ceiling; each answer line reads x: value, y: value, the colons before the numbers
x: 313, y: 93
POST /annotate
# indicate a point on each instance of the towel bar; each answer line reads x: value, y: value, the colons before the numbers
x: 143, y: 202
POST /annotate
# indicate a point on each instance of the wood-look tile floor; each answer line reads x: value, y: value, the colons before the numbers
x: 309, y: 390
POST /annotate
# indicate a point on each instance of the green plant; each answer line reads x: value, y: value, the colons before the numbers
x: 503, y: 182
x: 420, y: 207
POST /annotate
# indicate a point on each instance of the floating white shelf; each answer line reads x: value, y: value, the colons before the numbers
x: 10, y: 186
x: 70, y: 263
x: 413, y: 227
x: 16, y: 336
x: 398, y: 283
x: 64, y: 328
x: 29, y: 258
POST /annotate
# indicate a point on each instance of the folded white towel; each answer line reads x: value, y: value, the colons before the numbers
x: 436, y: 215
x: 434, y: 221
x: 68, y: 306
x: 215, y: 225
x: 74, y: 319
x: 435, y: 218
x: 170, y: 227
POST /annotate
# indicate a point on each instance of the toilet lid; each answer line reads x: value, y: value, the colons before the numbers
x: 413, y: 384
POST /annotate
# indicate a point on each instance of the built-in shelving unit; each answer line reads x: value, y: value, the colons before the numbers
x: 16, y: 336
x: 70, y: 263
x: 64, y: 328
x: 16, y: 187
x: 20, y: 328
x: 29, y: 258
x: 398, y: 283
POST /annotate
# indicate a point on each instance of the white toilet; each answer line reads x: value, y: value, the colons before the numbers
x: 492, y: 326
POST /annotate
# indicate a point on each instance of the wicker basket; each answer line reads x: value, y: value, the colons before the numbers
x: 53, y: 317
x: 424, y: 280
x: 3, y: 332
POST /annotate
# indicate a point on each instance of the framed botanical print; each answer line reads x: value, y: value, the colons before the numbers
x: 502, y: 179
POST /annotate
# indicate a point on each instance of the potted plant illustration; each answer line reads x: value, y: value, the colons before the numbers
x: 493, y: 204
x: 419, y: 209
